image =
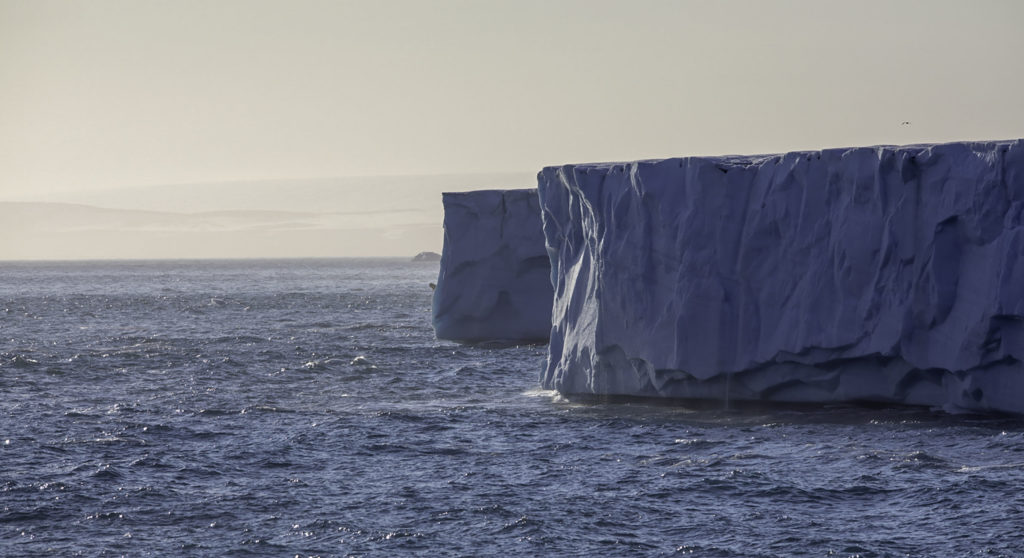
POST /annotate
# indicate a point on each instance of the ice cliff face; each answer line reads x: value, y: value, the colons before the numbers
x: 888, y: 274
x: 495, y: 278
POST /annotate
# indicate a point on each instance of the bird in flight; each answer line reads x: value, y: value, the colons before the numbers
x: 905, y: 123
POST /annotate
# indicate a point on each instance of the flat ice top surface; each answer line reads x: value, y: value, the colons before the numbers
x: 756, y: 159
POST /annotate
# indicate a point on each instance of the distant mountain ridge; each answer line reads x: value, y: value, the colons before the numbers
x: 346, y: 194
x: 348, y: 217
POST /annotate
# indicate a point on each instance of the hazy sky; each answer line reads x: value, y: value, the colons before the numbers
x: 111, y: 93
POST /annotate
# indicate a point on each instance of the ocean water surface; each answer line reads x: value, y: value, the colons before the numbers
x: 304, y: 408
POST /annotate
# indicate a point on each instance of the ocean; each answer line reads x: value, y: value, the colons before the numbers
x: 304, y: 408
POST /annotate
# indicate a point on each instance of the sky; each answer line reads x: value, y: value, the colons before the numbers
x: 131, y: 95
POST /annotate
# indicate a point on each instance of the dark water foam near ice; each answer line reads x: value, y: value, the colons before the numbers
x: 281, y: 408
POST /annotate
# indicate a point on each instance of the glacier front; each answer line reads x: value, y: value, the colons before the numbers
x: 876, y: 274
x: 495, y: 279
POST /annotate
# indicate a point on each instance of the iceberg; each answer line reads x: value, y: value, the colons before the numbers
x: 889, y: 274
x: 494, y: 284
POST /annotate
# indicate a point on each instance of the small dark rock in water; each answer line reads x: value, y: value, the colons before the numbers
x: 427, y: 257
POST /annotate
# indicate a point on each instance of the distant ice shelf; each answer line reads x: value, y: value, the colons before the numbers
x: 884, y: 274
x: 495, y: 279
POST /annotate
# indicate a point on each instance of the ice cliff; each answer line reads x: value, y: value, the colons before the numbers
x: 886, y: 274
x: 495, y: 278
